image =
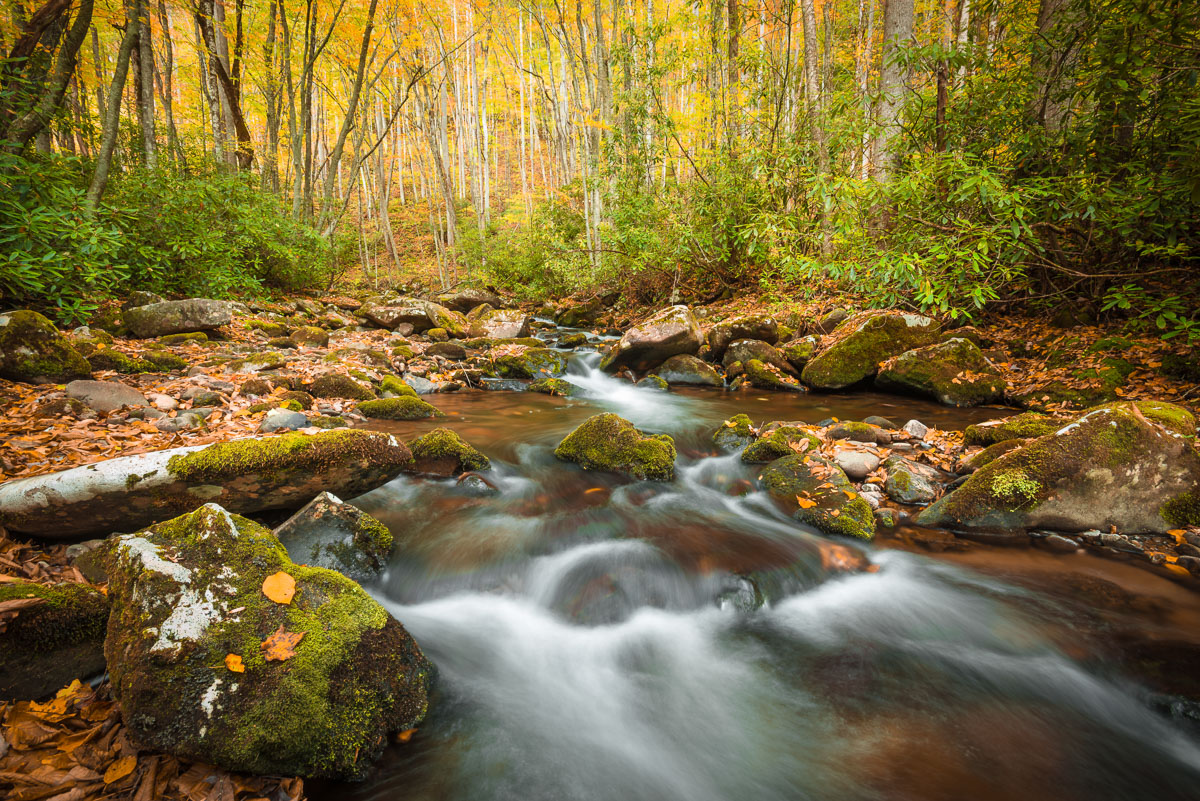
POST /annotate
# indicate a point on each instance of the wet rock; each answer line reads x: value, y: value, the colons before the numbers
x: 447, y: 350
x: 977, y: 460
x: 330, y: 533
x: 1022, y: 426
x: 246, y: 475
x: 403, y: 408
x: 853, y: 352
x: 532, y: 363
x: 768, y: 376
x: 880, y: 422
x: 814, y: 491
x: 652, y: 381
x: 419, y: 384
x: 749, y: 326
x: 56, y: 637
x: 579, y: 314
x: 282, y: 420
x: 177, y: 317
x: 502, y: 385
x: 915, y: 429
x: 782, y: 441
x: 442, y: 452
x: 799, y: 352
x: 34, y: 351
x: 611, y: 443
x: 954, y: 372
x: 743, y: 350
x: 105, y: 396
x: 735, y: 433
x: 188, y: 596
x: 339, y: 385
x: 575, y: 340
x: 1060, y: 544
x: 1113, y: 466
x: 689, y: 370
x: 858, y: 432
x: 395, y: 387
x: 857, y: 465
x: 553, y: 386
x: 464, y: 300
x: 910, y: 482
x: 667, y: 333
x: 505, y: 323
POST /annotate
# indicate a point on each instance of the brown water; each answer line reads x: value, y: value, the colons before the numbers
x: 601, y: 639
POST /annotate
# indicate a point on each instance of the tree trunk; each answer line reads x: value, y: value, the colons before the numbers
x: 144, y: 81
x: 1054, y: 56
x: 816, y: 117
x: 112, y: 119
x: 893, y: 82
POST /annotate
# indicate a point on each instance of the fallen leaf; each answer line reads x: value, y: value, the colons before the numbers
x: 120, y: 769
x: 405, y: 736
x: 281, y: 645
x: 234, y: 663
x: 805, y: 503
x: 279, y: 587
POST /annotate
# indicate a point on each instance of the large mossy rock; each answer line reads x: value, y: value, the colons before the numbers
x: 501, y: 324
x: 954, y: 372
x: 330, y: 533
x: 192, y: 665
x: 422, y: 315
x: 532, y: 363
x: 442, y: 452
x: 736, y: 432
x: 57, y: 636
x: 177, y: 317
x: 464, y: 300
x: 689, y: 370
x: 1021, y: 426
x: 402, y: 408
x: 815, y: 491
x: 667, y: 333
x: 799, y: 352
x: 746, y: 350
x: 246, y: 475
x: 1113, y: 466
x: 34, y: 351
x: 853, y: 352
x: 748, y: 326
x: 612, y: 443
x: 782, y: 441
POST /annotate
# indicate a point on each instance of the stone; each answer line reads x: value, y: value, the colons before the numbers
x: 666, y: 333
x: 442, y: 452
x: 915, y: 429
x: 310, y: 335
x: 188, y: 595
x: 785, y: 440
x: 177, y: 317
x: 1114, y: 466
x: 799, y: 352
x: 330, y: 533
x: 339, y: 385
x: 611, y: 443
x: 814, y: 491
x: 1060, y: 544
x: 447, y: 350
x: 748, y: 326
x: 768, y: 376
x: 105, y: 396
x: 829, y: 322
x: 186, y: 421
x: 853, y: 352
x: 282, y: 420
x: 532, y: 363
x: 909, y: 482
x: 653, y: 382
x: 1022, y: 426
x: 857, y: 465
x: 245, y: 475
x: 464, y: 300
x: 420, y: 385
x: 975, y: 461
x: 954, y: 372
x: 402, y: 408
x: 34, y: 351
x: 736, y: 433
x: 139, y: 297
x: 858, y: 432
x: 688, y: 370
x: 743, y: 350
x: 553, y: 386
x: 56, y: 637
x: 502, y: 324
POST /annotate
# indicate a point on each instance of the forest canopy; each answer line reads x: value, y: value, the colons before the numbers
x: 942, y: 156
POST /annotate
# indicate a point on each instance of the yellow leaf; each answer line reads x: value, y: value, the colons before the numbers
x: 234, y: 663
x: 279, y: 587
x: 405, y: 736
x: 120, y: 769
x: 805, y: 503
x: 1177, y: 533
x: 281, y: 645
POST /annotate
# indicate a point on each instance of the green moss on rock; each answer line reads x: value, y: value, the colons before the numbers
x: 532, y: 363
x: 444, y: 452
x: 1022, y: 426
x: 815, y: 491
x: 283, y: 455
x: 109, y: 359
x: 736, y: 432
x: 403, y: 408
x: 611, y: 443
x: 853, y: 352
x: 268, y: 328
x: 783, y: 441
x: 337, y: 385
x: 954, y: 372
x: 394, y: 386
x: 33, y: 350
x: 199, y: 337
x: 552, y: 386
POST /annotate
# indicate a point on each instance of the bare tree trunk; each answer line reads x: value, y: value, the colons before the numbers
x: 893, y: 82
x: 209, y: 59
x: 816, y: 116
x: 174, y: 151
x: 1055, y: 54
x: 113, y: 105
x: 144, y: 76
x: 867, y: 9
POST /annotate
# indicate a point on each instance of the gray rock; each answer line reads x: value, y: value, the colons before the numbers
x: 183, y: 422
x: 852, y: 353
x: 857, y: 465
x: 422, y: 386
x: 750, y: 326
x: 744, y: 350
x: 881, y: 422
x: 915, y: 428
x: 1060, y: 544
x: 177, y: 317
x: 330, y: 533
x: 105, y: 396
x: 464, y: 300
x: 687, y: 369
x: 282, y: 420
x: 502, y: 324
x: 909, y: 482
x: 667, y: 333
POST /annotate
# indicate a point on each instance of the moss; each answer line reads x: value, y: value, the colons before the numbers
x: 302, y: 400
x: 395, y: 386
x: 532, y: 363
x: 612, y: 443
x: 281, y: 343
x: 64, y: 407
x: 291, y: 406
x: 573, y: 340
x: 1174, y: 418
x: 403, y: 351
x: 1016, y: 485
x: 165, y: 361
x: 800, y: 352
x: 486, y: 343
x: 437, y: 335
x: 854, y: 430
x: 1111, y: 344
x: 954, y: 372
x: 552, y: 386
x: 199, y: 337
x: 108, y: 359
x: 328, y: 421
x: 310, y: 335
x: 991, y: 453
x: 268, y: 328
x: 1056, y: 393
x: 817, y: 492
x: 1182, y: 510
x: 736, y: 432
x: 1181, y: 367
x: 68, y: 615
x: 32, y: 349
x: 783, y: 441
x: 403, y: 408
x: 764, y: 377
x: 858, y: 345
x: 1022, y: 426
x: 442, y: 444
x: 336, y: 385
x: 289, y: 453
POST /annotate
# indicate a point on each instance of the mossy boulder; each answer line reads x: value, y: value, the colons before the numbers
x: 1112, y: 466
x: 501, y: 324
x: 799, y: 352
x: 815, y: 491
x: 611, y: 443
x: 467, y: 300
x: 193, y: 668
x: 327, y: 422
x: 392, y: 386
x: 653, y: 382
x: 402, y: 408
x: 970, y: 464
x: 330, y: 533
x: 245, y: 475
x: 532, y: 363
x: 768, y: 376
x: 109, y: 359
x: 910, y: 482
x: 743, y: 350
x: 339, y: 385
x: 954, y: 372
x: 736, y: 432
x: 782, y: 441
x: 667, y: 333
x: 853, y: 352
x: 437, y: 335
x: 688, y: 370
x: 553, y: 386
x: 34, y: 351
x: 196, y: 337
x: 271, y: 329
x: 177, y: 317
x: 1022, y: 426
x: 442, y: 452
x: 573, y: 340
x: 447, y: 350
x: 747, y: 326
x: 310, y: 335
x: 164, y: 361
x: 56, y: 637
x: 1051, y: 394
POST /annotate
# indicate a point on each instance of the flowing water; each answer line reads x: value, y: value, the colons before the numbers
x: 600, y: 639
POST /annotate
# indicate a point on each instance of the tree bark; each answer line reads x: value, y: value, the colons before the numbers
x: 112, y: 119
x: 145, y: 87
x: 893, y: 82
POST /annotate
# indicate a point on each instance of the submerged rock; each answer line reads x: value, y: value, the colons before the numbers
x: 612, y: 443
x: 56, y: 637
x: 330, y: 533
x: 442, y: 452
x: 177, y: 317
x: 246, y: 475
x: 667, y: 333
x: 654, y: 382
x: 34, y: 351
x: 689, y: 370
x: 954, y: 372
x: 1114, y: 466
x: 207, y: 667
x: 852, y: 353
x: 817, y: 492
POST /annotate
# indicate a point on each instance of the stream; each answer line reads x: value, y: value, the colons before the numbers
x: 602, y: 639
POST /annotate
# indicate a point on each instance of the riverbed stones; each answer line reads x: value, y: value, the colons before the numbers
x: 210, y: 665
x: 1113, y: 466
x: 910, y: 482
x: 667, y: 333
x: 688, y: 370
x: 611, y: 443
x: 799, y: 352
x: 244, y: 475
x: 815, y: 491
x: 853, y: 352
x: 282, y: 420
x: 339, y: 385
x: 954, y: 372
x: 34, y: 351
x: 735, y: 433
x: 856, y: 464
x: 177, y: 317
x: 330, y: 533
x: 767, y: 376
x: 748, y: 326
x: 105, y: 396
x: 49, y: 636
x: 465, y: 300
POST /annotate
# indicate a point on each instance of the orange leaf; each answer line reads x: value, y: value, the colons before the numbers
x: 120, y: 769
x: 234, y: 663
x: 279, y: 587
x: 281, y: 645
x: 405, y: 736
x: 805, y: 503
